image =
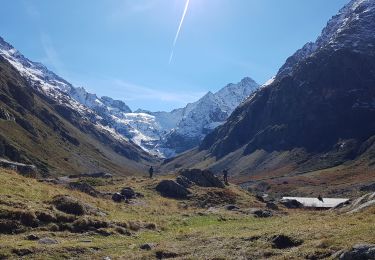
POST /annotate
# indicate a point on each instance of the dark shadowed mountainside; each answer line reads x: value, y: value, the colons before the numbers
x: 34, y: 129
x: 313, y: 126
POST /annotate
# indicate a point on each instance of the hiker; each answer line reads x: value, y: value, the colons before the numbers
x: 225, y: 174
x: 320, y: 198
x: 151, y: 171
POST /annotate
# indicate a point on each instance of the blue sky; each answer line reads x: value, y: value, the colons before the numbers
x: 121, y: 48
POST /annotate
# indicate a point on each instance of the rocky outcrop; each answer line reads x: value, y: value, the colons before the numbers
x: 5, y: 115
x: 315, y: 115
x: 69, y: 205
x: 260, y: 213
x: 203, y: 178
x: 359, y: 251
x: 291, y: 204
x: 369, y: 187
x: 183, y: 181
x: 358, y: 205
x: 24, y: 169
x: 171, y: 189
x: 128, y: 193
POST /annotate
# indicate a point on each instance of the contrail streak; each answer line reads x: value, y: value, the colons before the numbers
x: 179, y: 29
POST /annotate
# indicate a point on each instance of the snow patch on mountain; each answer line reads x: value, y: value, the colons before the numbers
x: 156, y: 132
x: 350, y: 28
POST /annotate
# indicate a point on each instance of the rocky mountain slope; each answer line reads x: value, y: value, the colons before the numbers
x: 317, y: 114
x: 198, y: 119
x: 53, y: 135
x: 160, y: 133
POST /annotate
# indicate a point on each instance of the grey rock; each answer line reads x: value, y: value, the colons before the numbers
x: 24, y: 169
x: 171, y: 189
x: 260, y: 213
x: 32, y: 237
x: 47, y: 241
x: 128, y: 193
x: 118, y: 197
x: 291, y: 204
x: 231, y: 207
x: 147, y: 246
x: 369, y: 187
x: 359, y: 252
x: 183, y: 181
x: 283, y: 241
x: 203, y: 178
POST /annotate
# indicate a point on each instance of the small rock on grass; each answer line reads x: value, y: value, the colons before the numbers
x: 165, y: 254
x: 47, y: 241
x: 262, y: 213
x: 147, y: 246
x: 32, y: 237
x: 231, y: 207
x: 118, y: 197
x: 283, y: 241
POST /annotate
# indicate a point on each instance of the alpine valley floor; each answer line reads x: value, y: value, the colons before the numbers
x: 33, y: 225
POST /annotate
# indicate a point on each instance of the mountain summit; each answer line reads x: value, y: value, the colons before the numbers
x: 316, y: 114
x: 159, y: 133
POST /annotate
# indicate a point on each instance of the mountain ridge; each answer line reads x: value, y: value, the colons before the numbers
x: 315, y: 115
x: 155, y: 132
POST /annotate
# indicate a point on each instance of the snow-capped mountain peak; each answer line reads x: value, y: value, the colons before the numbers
x: 160, y: 133
x: 351, y: 28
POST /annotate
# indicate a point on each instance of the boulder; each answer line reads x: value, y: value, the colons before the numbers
x: 291, y: 204
x: 368, y: 188
x: 183, y: 181
x: 47, y: 241
x: 359, y: 251
x: 118, y: 197
x: 165, y: 254
x: 283, y: 241
x: 203, y: 178
x: 24, y: 169
x: 171, y: 189
x: 231, y: 207
x: 128, y: 193
x: 260, y: 213
x: 147, y: 246
x: 32, y: 237
x: 69, y: 205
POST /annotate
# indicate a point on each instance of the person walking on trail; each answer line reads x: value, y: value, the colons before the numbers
x: 151, y: 171
x: 225, y: 175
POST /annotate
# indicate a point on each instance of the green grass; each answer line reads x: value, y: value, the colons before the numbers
x: 194, y: 233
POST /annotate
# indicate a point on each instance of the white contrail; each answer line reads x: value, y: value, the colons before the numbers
x: 179, y: 29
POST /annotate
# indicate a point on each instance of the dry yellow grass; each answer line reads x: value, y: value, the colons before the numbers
x: 191, y: 233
